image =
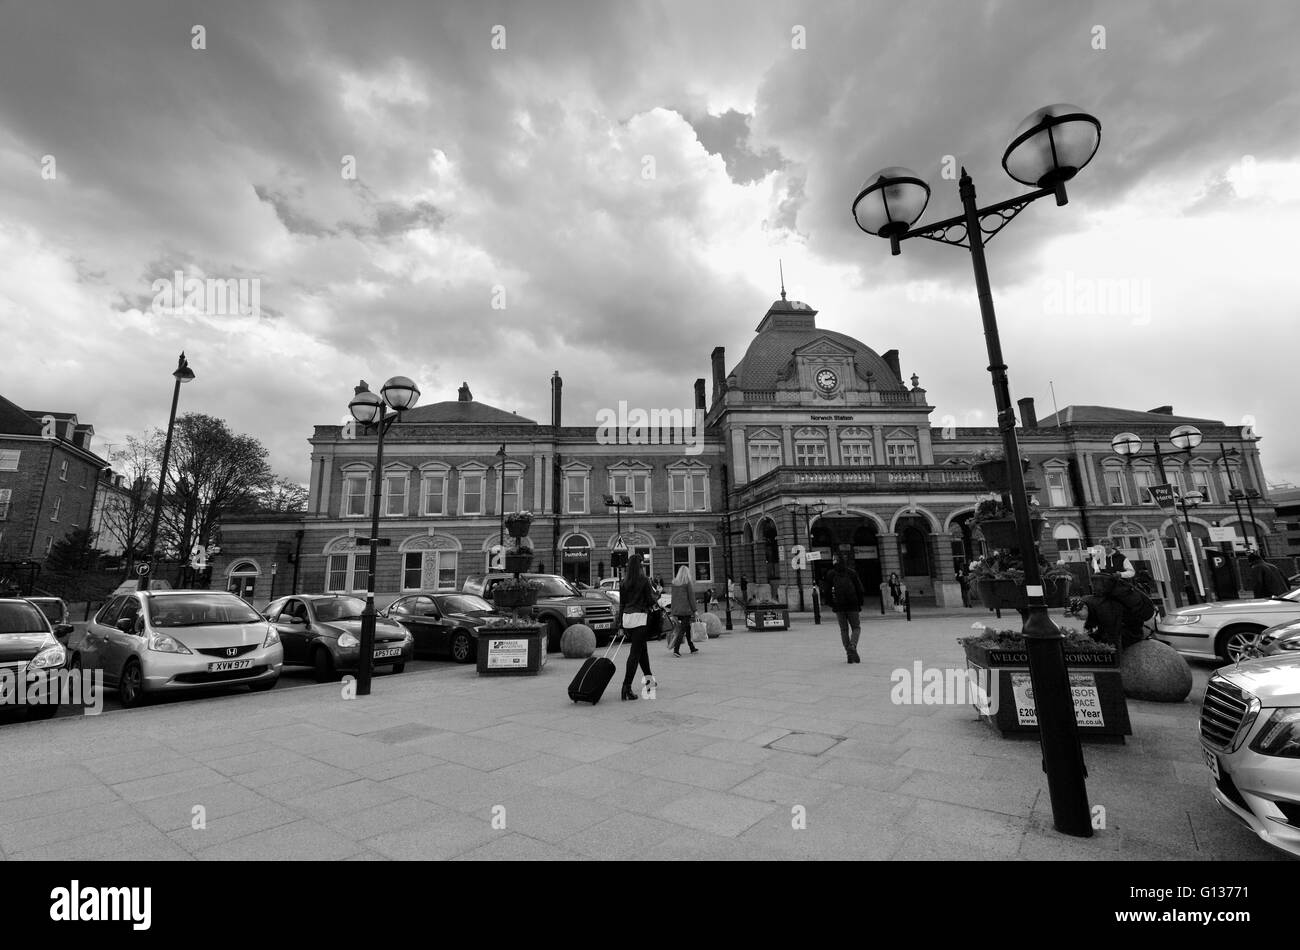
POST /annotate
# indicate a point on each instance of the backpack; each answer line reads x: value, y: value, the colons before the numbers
x: 1137, y: 604
x: 844, y: 593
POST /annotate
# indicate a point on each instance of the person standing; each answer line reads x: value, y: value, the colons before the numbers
x: 1265, y: 578
x: 744, y: 590
x: 1114, y: 561
x: 683, y: 608
x: 845, y: 595
x: 895, y: 590
x: 635, y: 597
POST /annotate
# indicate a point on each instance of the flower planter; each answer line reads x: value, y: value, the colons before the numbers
x: 1005, y: 594
x: 767, y: 617
x: 1001, y: 532
x: 518, y: 529
x: 995, y: 474
x: 1100, y: 707
x: 511, y: 649
x: 510, y: 598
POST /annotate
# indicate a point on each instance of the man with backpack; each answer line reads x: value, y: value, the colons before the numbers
x: 843, y: 592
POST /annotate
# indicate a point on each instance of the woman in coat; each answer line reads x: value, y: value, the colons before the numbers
x: 635, y: 598
x: 683, y: 608
x: 895, y: 589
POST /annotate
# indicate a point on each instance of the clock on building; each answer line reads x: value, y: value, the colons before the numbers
x: 826, y: 380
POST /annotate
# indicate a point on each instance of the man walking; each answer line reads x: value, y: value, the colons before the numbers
x: 1265, y: 579
x: 844, y: 593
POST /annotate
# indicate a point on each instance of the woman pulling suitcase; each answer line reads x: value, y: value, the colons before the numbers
x: 635, y: 598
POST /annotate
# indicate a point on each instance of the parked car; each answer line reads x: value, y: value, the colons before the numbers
x: 161, y: 641
x: 323, y: 631
x: 1228, y: 629
x: 446, y: 624
x: 1250, y: 737
x: 1281, y: 640
x: 54, y: 608
x: 611, y: 585
x: 559, y: 604
x: 29, y: 644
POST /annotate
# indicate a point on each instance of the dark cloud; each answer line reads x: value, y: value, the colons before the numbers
x: 727, y: 135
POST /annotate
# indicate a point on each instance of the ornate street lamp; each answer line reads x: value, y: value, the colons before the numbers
x: 618, y: 557
x: 398, y: 394
x: 1048, y: 149
x: 182, y: 374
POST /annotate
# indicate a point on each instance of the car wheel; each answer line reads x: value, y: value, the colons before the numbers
x: 75, y: 663
x: 130, y: 688
x: 1238, y: 643
x: 554, y: 630
x: 399, y: 667
x: 323, y: 664
x: 263, y: 686
x: 462, y: 646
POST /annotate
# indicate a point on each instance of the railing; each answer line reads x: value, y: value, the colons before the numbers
x: 882, y: 397
x: 874, y: 478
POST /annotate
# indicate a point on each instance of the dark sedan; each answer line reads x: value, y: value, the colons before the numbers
x: 323, y: 631
x: 445, y: 624
x: 29, y: 649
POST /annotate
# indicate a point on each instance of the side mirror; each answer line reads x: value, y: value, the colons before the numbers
x: 126, y: 625
x: 295, y: 621
x: 62, y: 631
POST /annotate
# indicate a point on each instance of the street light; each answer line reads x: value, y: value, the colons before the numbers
x: 1184, y: 438
x: 501, y: 507
x: 618, y: 556
x: 182, y: 374
x: 1048, y: 149
x: 399, y: 394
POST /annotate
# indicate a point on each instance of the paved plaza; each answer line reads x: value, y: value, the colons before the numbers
x: 763, y: 746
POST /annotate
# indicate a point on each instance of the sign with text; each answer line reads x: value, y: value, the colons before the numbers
x: 1083, y: 686
x: 507, y: 654
x: 1164, y: 496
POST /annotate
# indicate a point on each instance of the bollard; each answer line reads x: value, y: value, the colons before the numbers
x: 907, y: 603
x: 817, y: 606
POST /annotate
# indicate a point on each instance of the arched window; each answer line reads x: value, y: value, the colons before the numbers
x: 243, y: 579
x: 575, y: 559
x: 1069, y: 543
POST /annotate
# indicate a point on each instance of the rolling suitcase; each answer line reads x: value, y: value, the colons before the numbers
x: 594, y: 676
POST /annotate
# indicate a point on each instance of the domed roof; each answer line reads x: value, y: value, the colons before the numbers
x: 788, y: 325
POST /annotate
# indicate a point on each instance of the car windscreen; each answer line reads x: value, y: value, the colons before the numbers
x: 20, y: 617
x: 339, y: 608
x: 51, y: 608
x: 463, y: 604
x: 553, y: 587
x: 200, y: 610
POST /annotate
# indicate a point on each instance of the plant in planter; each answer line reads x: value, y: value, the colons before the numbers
x: 997, y: 523
x: 991, y: 464
x: 1013, y: 641
x: 513, y: 594
x: 519, y: 523
x: 999, y: 579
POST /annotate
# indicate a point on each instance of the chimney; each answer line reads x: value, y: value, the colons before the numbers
x: 1162, y: 410
x: 557, y: 385
x: 891, y: 360
x: 701, y: 407
x: 719, y: 372
x: 1028, y: 417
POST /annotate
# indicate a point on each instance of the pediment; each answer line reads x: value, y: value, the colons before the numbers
x: 823, y: 347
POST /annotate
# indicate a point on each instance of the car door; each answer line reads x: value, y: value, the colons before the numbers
x: 294, y: 628
x: 119, y: 644
x: 89, y: 646
x: 419, y: 615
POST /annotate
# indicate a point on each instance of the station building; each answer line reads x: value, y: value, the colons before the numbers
x: 812, y: 438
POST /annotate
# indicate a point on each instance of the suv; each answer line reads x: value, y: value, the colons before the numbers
x: 1250, y: 736
x: 559, y: 604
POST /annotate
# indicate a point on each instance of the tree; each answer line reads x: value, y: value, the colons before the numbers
x: 280, y: 495
x: 127, y: 512
x: 72, y: 552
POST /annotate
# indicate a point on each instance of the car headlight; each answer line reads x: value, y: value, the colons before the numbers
x: 1281, y: 734
x: 1293, y: 644
x: 162, y: 643
x: 1177, y: 619
x: 576, y: 611
x: 272, y: 637
x: 48, y: 659
x: 347, y: 641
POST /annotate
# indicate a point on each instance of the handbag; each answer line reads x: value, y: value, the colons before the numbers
x: 699, y: 631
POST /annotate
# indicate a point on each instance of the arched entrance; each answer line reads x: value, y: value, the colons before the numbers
x: 821, y: 540
x: 963, y: 545
x: 865, y: 549
x: 575, y: 559
x: 768, y: 550
x: 750, y: 568
x: 243, y: 580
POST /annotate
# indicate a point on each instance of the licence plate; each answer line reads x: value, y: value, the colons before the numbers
x: 385, y: 654
x: 601, y: 626
x: 223, y: 665
x: 1212, y: 761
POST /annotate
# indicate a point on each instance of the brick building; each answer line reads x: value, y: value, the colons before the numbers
x: 812, y: 438
x: 48, y: 476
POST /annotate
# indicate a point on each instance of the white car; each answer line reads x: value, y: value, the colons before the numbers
x: 1250, y: 736
x: 1228, y: 629
x: 610, y: 586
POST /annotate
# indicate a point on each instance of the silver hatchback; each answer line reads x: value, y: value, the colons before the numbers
x: 158, y: 641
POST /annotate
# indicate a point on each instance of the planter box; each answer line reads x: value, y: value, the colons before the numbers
x: 1001, y: 532
x: 518, y: 529
x: 767, y: 618
x: 1008, y: 595
x: 1100, y: 707
x: 512, y: 651
x: 508, y: 599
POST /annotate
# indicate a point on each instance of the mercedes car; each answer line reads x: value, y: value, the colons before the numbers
x: 323, y: 631
x: 444, y: 624
x: 1226, y: 630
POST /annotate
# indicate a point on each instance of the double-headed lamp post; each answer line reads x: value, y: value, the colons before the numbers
x: 795, y: 508
x: 617, y: 557
x: 1046, y: 151
x: 1183, y: 438
x: 182, y: 374
x: 398, y: 394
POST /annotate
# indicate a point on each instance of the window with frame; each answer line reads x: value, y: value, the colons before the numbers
x: 395, y: 495
x: 6, y: 496
x: 433, y: 486
x: 901, y: 452
x: 575, y: 494
x: 58, y: 505
x: 810, y: 453
x: 636, y: 485
x: 1201, y: 483
x: 1113, y: 485
x: 1144, y: 479
x: 688, y: 491
x: 857, y: 452
x: 471, y: 494
x: 343, y: 569
x: 9, y: 459
x: 695, y: 558
x: 355, y: 495
x: 63, y: 470
x: 429, y: 570
x: 1057, y: 492
x: 1174, y: 476
x: 513, y: 486
x: 764, y: 455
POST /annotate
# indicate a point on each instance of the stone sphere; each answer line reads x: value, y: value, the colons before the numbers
x: 578, y: 642
x: 1154, y: 671
x: 713, y: 625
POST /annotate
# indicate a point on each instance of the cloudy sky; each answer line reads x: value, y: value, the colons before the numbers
x: 487, y: 192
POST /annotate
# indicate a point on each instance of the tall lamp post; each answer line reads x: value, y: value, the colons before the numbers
x: 398, y: 394
x: 501, y: 505
x: 1047, y: 150
x: 1184, y: 439
x: 182, y: 374
x: 618, y: 557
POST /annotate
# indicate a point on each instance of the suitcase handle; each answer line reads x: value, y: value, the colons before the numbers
x: 616, y: 644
